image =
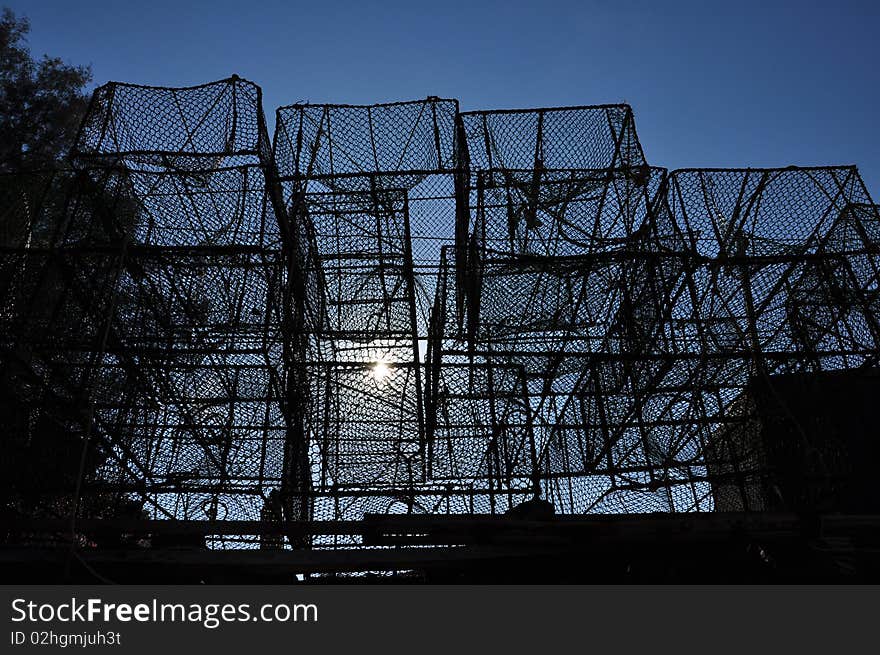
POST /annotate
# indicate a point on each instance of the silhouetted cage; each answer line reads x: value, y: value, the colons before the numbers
x: 406, y: 148
x: 591, y: 137
x: 153, y: 319
x: 639, y: 351
x: 351, y: 147
x: 404, y: 309
x: 368, y: 371
x: 373, y: 190
x: 178, y: 130
x: 557, y: 213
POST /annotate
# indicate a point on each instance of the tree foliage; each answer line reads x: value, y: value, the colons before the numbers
x: 41, y: 101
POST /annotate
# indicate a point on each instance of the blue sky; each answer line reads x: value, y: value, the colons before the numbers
x: 712, y: 84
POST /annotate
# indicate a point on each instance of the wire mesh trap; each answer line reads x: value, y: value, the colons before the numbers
x: 407, y: 309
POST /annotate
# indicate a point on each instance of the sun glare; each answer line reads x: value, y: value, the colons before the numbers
x: 380, y: 371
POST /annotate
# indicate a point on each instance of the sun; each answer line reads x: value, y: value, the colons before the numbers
x: 380, y: 371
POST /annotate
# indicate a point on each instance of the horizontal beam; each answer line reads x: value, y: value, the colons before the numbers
x: 401, y: 523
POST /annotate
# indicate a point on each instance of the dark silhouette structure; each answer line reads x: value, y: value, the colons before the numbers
x: 500, y: 341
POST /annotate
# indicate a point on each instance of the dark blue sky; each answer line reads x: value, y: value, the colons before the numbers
x: 712, y: 84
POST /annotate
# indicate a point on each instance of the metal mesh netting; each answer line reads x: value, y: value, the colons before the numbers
x: 560, y: 138
x: 640, y: 316
x: 406, y: 309
x: 370, y: 371
x: 182, y: 129
x: 350, y: 147
x: 561, y: 212
x: 372, y: 189
x: 158, y: 306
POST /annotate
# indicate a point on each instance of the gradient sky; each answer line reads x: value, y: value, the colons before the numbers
x: 712, y: 84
